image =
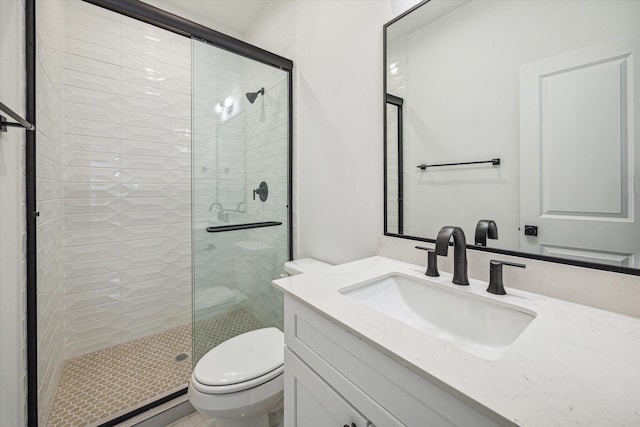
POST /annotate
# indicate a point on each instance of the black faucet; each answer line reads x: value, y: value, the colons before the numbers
x: 485, y: 228
x: 495, y: 276
x: 460, y: 276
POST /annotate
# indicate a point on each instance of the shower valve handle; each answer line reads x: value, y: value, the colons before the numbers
x: 262, y: 191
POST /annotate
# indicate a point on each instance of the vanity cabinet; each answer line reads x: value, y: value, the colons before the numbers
x: 334, y: 378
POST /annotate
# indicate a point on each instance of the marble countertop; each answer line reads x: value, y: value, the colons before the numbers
x: 573, y: 364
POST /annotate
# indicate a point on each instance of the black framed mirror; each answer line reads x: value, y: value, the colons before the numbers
x: 522, y: 112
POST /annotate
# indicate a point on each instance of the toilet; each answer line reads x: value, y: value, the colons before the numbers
x: 240, y: 380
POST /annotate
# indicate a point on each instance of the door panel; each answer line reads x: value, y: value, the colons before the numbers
x: 577, y: 162
x: 583, y: 128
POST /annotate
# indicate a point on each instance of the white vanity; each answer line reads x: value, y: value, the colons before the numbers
x: 375, y: 342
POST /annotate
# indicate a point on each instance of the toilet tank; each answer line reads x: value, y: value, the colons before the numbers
x: 304, y: 265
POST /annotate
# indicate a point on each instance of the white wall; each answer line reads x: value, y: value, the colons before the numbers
x: 12, y: 220
x: 340, y: 126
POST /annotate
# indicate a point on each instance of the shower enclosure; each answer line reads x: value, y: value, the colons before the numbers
x: 164, y: 191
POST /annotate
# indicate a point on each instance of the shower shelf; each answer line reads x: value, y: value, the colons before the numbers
x: 234, y: 227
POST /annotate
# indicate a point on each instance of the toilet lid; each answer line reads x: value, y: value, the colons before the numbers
x: 242, y: 358
x: 305, y: 265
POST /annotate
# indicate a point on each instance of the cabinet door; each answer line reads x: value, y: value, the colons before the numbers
x: 310, y: 402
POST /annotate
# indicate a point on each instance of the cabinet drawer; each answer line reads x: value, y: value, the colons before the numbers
x: 311, y: 402
x: 401, y: 393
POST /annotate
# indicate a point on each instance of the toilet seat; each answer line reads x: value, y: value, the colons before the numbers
x: 240, y: 363
x: 234, y: 388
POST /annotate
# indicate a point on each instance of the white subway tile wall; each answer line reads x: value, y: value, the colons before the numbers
x: 50, y: 16
x: 127, y: 178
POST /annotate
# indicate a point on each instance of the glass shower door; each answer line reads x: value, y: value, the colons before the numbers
x: 240, y: 194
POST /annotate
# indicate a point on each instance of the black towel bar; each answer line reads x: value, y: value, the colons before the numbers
x: 494, y: 162
x: 234, y: 227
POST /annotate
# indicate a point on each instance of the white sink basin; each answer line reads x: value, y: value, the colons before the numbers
x: 476, y: 324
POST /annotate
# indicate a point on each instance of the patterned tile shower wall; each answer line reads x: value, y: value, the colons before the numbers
x: 267, y: 159
x: 219, y: 175
x: 127, y: 184
x: 50, y: 16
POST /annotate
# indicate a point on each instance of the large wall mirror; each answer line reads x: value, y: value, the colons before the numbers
x: 524, y: 112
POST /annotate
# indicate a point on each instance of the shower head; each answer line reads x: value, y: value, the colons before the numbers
x: 251, y: 96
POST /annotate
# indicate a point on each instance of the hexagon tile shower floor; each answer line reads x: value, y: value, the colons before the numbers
x: 102, y: 385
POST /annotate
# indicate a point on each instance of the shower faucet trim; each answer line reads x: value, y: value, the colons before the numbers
x: 262, y: 191
x: 222, y: 215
